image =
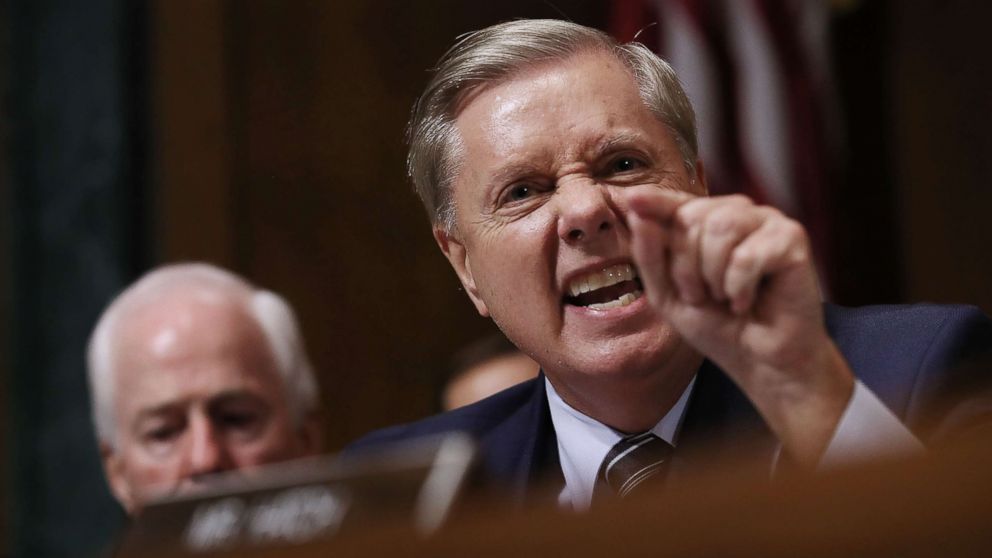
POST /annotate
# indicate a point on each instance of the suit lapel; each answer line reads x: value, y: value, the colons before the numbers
x: 522, y: 452
x: 720, y: 425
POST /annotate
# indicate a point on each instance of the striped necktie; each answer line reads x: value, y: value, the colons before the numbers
x: 633, y: 460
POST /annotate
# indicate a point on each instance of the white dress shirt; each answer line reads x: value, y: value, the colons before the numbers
x: 866, y: 430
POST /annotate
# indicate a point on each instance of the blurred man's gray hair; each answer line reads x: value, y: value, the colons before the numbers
x: 495, y: 54
x: 273, y: 314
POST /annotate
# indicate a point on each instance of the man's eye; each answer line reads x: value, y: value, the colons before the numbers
x: 626, y: 164
x: 161, y: 434
x: 238, y: 420
x: 520, y: 192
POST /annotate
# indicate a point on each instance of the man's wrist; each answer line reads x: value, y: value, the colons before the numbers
x: 803, y: 406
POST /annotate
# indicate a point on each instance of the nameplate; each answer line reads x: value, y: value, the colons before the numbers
x: 307, y: 500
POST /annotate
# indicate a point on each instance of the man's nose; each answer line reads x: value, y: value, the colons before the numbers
x: 207, y: 452
x: 585, y: 211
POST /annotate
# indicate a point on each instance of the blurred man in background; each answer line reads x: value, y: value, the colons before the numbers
x: 194, y: 371
x: 485, y: 367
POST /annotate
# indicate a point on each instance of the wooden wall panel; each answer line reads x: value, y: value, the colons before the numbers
x: 195, y: 207
x: 281, y: 156
x: 942, y: 103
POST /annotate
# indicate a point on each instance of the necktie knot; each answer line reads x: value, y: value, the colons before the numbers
x: 632, y: 461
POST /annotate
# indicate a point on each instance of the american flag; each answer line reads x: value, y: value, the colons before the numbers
x: 758, y: 74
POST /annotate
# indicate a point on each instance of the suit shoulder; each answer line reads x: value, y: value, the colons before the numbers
x: 477, y: 419
x: 913, y: 355
x: 903, y: 321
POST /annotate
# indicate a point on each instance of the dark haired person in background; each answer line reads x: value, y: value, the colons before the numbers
x: 483, y: 368
x: 560, y: 172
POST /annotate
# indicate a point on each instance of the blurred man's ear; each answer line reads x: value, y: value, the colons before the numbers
x: 455, y: 251
x: 114, y: 469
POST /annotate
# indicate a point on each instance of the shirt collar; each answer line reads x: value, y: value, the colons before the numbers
x: 583, y: 442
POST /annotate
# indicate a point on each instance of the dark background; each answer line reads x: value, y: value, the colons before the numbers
x: 266, y: 136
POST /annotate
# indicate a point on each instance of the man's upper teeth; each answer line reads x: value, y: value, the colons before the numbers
x: 603, y: 278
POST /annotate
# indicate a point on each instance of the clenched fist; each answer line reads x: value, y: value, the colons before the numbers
x: 737, y: 281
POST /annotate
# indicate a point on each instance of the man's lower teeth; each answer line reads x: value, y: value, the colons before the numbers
x: 622, y: 301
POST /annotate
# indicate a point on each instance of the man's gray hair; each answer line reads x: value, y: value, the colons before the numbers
x: 495, y: 54
x: 273, y: 314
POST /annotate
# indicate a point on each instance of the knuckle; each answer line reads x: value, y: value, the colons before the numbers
x: 799, y: 255
x: 792, y: 229
x: 723, y: 220
x: 718, y: 224
x: 688, y: 213
x: 744, y: 258
x: 785, y: 231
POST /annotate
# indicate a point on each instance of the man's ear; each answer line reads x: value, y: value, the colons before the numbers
x: 114, y: 469
x: 700, y: 179
x: 455, y: 251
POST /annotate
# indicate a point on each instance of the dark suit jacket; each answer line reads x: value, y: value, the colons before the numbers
x: 916, y: 359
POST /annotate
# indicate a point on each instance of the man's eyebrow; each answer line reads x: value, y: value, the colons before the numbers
x: 226, y: 396
x: 616, y: 141
x: 238, y: 401
x: 512, y: 171
x: 596, y: 147
x: 157, y: 410
x: 234, y: 396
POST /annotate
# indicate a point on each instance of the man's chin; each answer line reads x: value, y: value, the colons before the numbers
x: 639, y: 354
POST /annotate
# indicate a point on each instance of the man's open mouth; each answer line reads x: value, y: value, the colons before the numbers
x: 612, y: 287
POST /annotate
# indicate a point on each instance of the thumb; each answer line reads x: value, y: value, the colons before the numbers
x: 648, y: 248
